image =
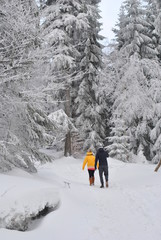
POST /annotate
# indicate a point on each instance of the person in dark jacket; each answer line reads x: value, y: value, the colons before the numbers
x: 101, y: 157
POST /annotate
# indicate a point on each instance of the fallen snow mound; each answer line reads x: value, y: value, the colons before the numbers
x: 22, y: 204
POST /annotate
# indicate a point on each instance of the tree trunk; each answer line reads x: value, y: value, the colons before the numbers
x: 68, y: 149
x: 158, y: 166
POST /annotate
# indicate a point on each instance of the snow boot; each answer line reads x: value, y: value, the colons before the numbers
x: 107, y: 184
x: 90, y: 181
x: 93, y: 180
x: 101, y: 186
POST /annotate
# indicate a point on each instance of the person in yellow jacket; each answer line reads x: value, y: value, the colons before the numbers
x: 90, y: 161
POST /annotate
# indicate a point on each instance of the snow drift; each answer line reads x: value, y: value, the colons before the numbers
x: 22, y: 203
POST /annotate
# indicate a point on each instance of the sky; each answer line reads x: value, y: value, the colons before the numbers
x: 109, y: 13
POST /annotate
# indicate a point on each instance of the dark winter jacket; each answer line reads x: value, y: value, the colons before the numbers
x: 101, y: 156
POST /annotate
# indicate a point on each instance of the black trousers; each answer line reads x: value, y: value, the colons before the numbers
x: 103, y: 169
x: 91, y: 173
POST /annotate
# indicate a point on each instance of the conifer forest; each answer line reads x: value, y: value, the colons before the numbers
x: 62, y: 88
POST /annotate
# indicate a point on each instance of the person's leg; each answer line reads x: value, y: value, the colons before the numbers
x: 92, y: 173
x: 106, y: 174
x: 101, y: 176
x: 90, y: 177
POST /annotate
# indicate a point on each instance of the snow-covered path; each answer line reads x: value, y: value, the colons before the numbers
x: 129, y: 209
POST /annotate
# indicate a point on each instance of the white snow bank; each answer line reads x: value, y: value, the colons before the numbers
x: 22, y: 199
x: 128, y: 210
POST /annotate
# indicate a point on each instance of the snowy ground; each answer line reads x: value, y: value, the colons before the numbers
x: 130, y: 209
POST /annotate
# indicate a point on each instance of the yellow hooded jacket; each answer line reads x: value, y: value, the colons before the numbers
x: 90, y: 161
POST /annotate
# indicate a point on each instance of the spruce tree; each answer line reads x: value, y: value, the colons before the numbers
x: 120, y: 141
x: 150, y: 17
x: 158, y: 20
x: 88, y: 109
x: 119, y: 28
x: 135, y: 32
x: 157, y: 25
x: 136, y: 56
x: 63, y: 22
x: 153, y: 70
x: 63, y: 26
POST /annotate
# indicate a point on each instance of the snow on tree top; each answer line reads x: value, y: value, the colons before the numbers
x: 62, y: 121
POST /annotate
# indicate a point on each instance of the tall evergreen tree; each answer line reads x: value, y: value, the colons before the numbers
x: 119, y: 28
x: 158, y: 20
x: 63, y: 26
x: 88, y: 110
x: 71, y: 30
x: 150, y: 17
x: 134, y: 102
x: 157, y: 25
x: 63, y: 20
x: 136, y: 31
x: 155, y: 94
x: 120, y: 141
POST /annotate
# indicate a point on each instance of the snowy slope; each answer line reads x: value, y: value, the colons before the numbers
x: 22, y: 197
x: 129, y: 209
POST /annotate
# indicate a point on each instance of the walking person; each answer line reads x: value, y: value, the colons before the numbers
x: 90, y: 161
x: 101, y: 157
